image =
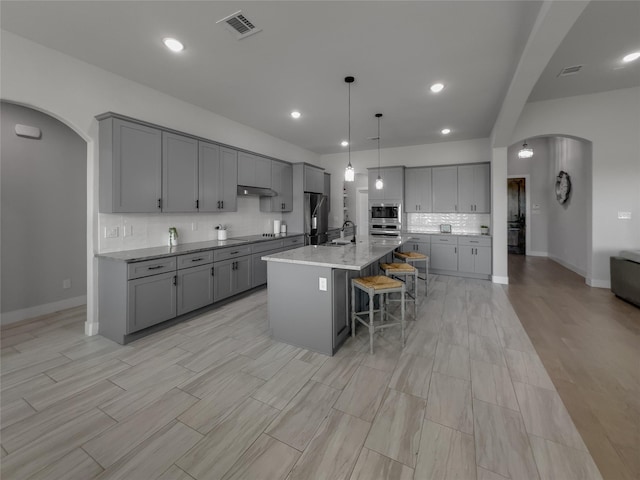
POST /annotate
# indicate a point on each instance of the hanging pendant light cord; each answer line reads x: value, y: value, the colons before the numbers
x: 349, y: 128
x: 379, y: 145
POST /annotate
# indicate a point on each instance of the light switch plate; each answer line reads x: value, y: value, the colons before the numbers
x: 624, y: 215
x: 322, y: 284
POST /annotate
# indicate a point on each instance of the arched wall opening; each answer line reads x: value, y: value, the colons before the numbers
x: 560, y: 230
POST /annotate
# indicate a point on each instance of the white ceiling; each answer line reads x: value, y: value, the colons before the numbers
x: 395, y: 50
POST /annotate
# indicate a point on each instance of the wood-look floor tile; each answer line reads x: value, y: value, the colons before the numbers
x: 146, y: 374
x: 175, y: 473
x: 17, y: 376
x: 363, y: 394
x: 527, y: 368
x: 454, y: 334
x: 449, y: 402
x: 545, y: 415
x: 155, y: 455
x: 77, y: 368
x: 285, y: 384
x: 13, y: 412
x: 18, y: 361
x: 271, y: 361
x: 216, y: 453
x: 373, y: 466
x: 452, y: 360
x: 314, y: 358
x: 422, y: 342
x: 28, y: 430
x: 483, y: 326
x: 297, y: 423
x: 492, y: 383
x: 53, y: 343
x: 501, y: 441
x: 214, y: 407
x: 10, y: 341
x: 334, y: 449
x: 116, y: 442
x: 76, y: 465
x: 515, y: 338
x: 395, y: 432
x: 209, y: 380
x: 266, y: 458
x: 486, y: 349
x: 50, y: 394
x: 338, y: 370
x: 26, y: 387
x: 95, y: 346
x: 386, y: 352
x: 557, y: 461
x: 484, y: 474
x: 256, y: 347
x: 412, y: 375
x: 150, y: 389
x: 445, y: 454
x: 153, y: 346
x: 203, y: 358
x: 52, y: 446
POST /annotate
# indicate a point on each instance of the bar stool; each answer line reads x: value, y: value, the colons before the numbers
x: 376, y: 285
x: 412, y: 258
x: 403, y: 271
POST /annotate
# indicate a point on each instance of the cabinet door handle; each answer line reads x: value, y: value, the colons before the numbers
x: 157, y: 267
x: 196, y: 259
x: 197, y: 204
x: 175, y: 279
x: 222, y: 203
x: 212, y: 272
x: 159, y: 203
x: 455, y: 249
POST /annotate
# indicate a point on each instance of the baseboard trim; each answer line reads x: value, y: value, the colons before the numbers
x: 90, y: 329
x: 38, y: 310
x: 537, y: 254
x: 500, y: 280
x: 568, y: 265
x: 594, y: 282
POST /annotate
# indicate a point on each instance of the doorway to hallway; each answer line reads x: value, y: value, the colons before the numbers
x: 516, y: 215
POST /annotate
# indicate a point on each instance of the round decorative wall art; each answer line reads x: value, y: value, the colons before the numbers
x: 563, y: 187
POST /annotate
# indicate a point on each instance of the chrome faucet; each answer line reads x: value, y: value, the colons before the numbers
x: 346, y: 222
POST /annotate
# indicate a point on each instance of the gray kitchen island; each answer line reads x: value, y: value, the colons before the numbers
x: 309, y: 289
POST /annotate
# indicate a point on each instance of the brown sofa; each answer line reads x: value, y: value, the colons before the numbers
x: 625, y: 276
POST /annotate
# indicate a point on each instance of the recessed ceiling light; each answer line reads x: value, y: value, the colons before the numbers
x: 631, y: 57
x: 445, y: 131
x: 437, y: 87
x: 295, y: 114
x: 344, y: 143
x: 173, y: 44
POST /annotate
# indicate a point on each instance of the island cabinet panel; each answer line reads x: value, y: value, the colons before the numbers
x: 151, y: 300
x: 130, y: 166
x: 253, y: 170
x: 474, y: 188
x: 179, y: 173
x: 418, y: 190
x: 218, y: 178
x: 194, y: 288
x: 444, y: 181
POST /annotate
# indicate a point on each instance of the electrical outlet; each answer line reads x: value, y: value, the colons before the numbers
x: 194, y: 226
x: 624, y: 215
x: 127, y: 230
x: 66, y: 283
x: 111, y: 232
x: 322, y: 284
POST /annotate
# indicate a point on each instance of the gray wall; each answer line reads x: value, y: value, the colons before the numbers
x: 43, y: 211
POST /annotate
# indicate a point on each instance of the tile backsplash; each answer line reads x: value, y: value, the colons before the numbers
x: 152, y: 230
x: 460, y: 222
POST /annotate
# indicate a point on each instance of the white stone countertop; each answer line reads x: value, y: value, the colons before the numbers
x: 410, y: 231
x: 351, y: 256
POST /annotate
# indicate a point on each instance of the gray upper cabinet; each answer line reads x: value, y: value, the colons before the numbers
x: 253, y: 170
x: 444, y: 182
x: 392, y: 181
x: 179, y: 173
x: 218, y: 178
x: 327, y: 190
x: 130, y: 166
x: 474, y: 188
x: 282, y: 184
x: 313, y: 179
x: 417, y: 190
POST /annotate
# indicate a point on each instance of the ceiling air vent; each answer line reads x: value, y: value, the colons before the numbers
x: 239, y: 25
x: 570, y: 70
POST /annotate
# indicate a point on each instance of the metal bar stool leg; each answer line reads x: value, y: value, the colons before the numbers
x: 353, y: 311
x: 402, y: 319
x: 371, y: 327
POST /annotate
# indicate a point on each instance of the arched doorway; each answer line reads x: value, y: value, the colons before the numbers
x: 560, y: 229
x: 44, y: 214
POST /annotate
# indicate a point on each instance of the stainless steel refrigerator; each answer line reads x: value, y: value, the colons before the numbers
x: 316, y: 218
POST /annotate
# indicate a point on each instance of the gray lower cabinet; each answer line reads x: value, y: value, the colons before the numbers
x: 150, y: 300
x: 130, y: 167
x: 474, y: 259
x: 194, y: 288
x: 421, y: 244
x: 231, y: 277
x: 444, y: 257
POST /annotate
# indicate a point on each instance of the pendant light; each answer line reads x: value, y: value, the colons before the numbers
x: 379, y: 183
x: 349, y: 172
x: 525, y: 151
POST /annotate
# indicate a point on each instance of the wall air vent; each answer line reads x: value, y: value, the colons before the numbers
x: 239, y: 25
x: 570, y: 70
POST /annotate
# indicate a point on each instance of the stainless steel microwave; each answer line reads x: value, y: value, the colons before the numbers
x: 387, y: 211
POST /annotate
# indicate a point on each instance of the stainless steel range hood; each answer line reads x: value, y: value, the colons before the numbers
x: 245, y: 190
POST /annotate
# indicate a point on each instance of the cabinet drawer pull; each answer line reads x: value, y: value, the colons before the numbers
x: 473, y: 241
x: 234, y: 253
x: 156, y: 267
x: 197, y: 259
